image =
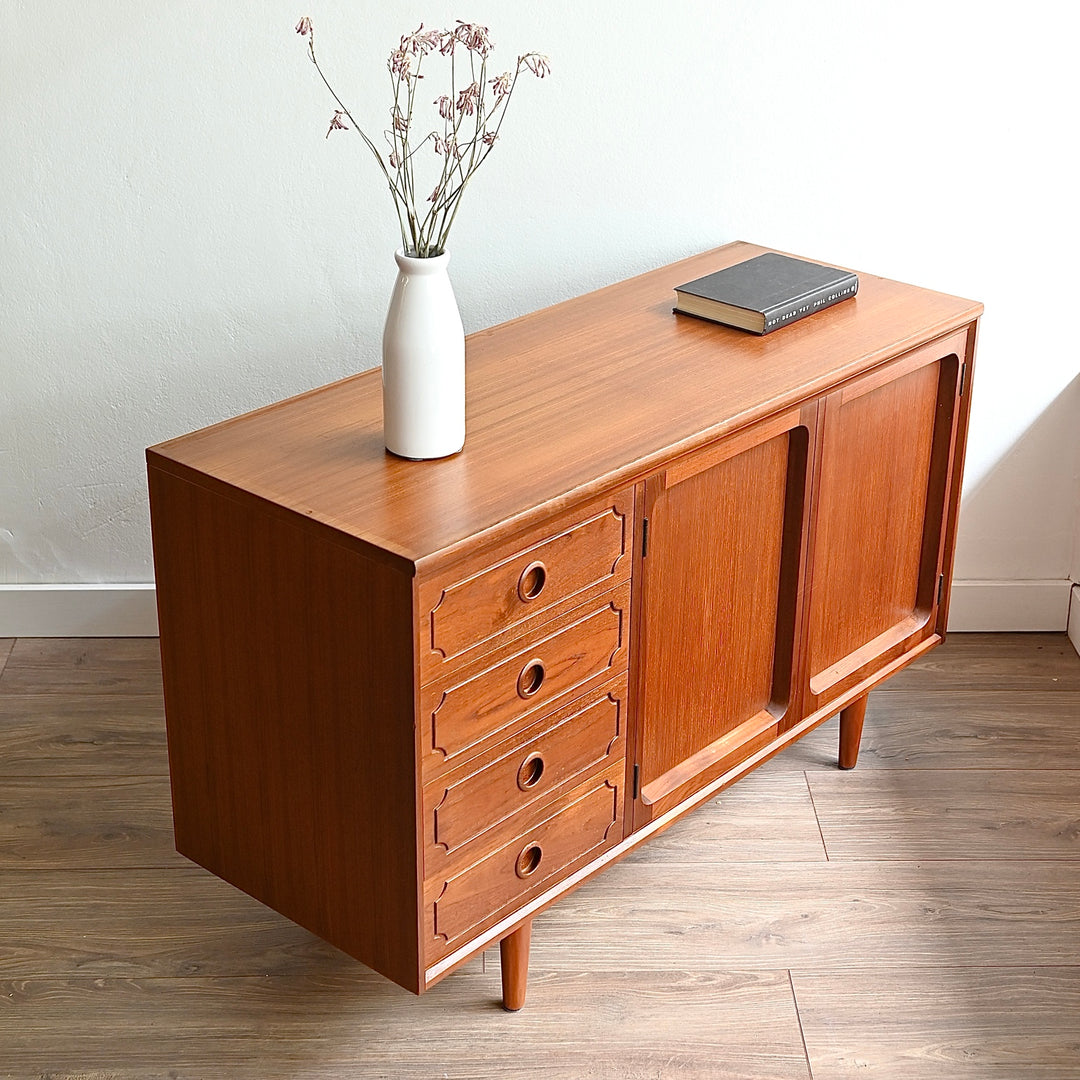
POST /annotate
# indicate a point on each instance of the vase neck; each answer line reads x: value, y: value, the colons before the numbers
x: 414, y: 265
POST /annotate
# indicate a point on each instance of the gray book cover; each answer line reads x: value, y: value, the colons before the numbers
x: 766, y: 292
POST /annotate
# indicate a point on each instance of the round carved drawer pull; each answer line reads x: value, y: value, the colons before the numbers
x: 528, y: 859
x: 531, y: 678
x: 532, y: 581
x: 532, y: 768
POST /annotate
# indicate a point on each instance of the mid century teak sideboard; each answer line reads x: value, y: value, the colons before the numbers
x: 410, y: 704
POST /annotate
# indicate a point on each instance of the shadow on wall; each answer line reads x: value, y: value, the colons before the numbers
x: 1019, y: 530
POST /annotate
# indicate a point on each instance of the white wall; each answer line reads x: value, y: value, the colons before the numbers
x: 179, y: 241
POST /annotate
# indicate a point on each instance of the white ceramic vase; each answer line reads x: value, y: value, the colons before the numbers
x: 423, y: 366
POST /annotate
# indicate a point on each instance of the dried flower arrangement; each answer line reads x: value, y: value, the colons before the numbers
x: 471, y: 119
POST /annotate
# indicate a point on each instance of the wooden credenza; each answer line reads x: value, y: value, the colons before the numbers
x: 410, y: 704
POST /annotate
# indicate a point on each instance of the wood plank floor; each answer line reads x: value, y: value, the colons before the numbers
x: 916, y: 918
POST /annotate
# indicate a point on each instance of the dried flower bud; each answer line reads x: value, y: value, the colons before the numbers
x: 421, y: 42
x: 474, y: 37
x: 336, y: 123
x: 467, y: 99
x: 395, y: 161
x: 489, y: 138
x: 537, y: 63
x: 400, y: 123
x: 500, y: 85
x: 400, y: 63
x: 446, y: 106
x: 433, y: 197
x: 303, y: 27
x: 440, y: 144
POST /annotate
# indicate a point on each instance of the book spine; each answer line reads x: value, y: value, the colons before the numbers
x: 824, y: 298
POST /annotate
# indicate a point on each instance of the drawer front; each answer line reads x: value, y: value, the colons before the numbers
x: 589, y: 821
x: 575, y: 655
x: 584, y: 737
x: 486, y: 598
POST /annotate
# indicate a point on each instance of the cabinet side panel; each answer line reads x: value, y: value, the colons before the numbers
x: 289, y: 672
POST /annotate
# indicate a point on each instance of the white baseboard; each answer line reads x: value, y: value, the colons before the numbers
x: 984, y: 606
x: 131, y: 610
x: 78, y: 611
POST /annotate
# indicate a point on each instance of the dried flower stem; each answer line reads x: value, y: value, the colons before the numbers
x: 399, y: 197
x: 471, y: 122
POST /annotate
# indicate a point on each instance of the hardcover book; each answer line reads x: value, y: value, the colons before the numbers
x: 766, y: 292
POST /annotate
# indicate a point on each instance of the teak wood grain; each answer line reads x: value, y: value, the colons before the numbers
x: 872, y: 517
x: 710, y: 603
x: 851, y: 729
x: 494, y: 835
x: 550, y: 843
x: 679, y: 383
x: 571, y: 657
x: 718, y: 608
x: 888, y: 447
x: 563, y: 565
x: 514, y: 965
x: 268, y: 746
x: 480, y: 795
x: 368, y: 662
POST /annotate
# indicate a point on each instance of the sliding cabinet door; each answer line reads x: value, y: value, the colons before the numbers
x: 883, y: 496
x: 718, y: 606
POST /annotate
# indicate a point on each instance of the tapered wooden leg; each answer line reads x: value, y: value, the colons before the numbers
x: 514, y: 958
x: 851, y: 723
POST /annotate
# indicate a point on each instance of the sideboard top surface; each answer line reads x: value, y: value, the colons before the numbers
x: 560, y: 403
